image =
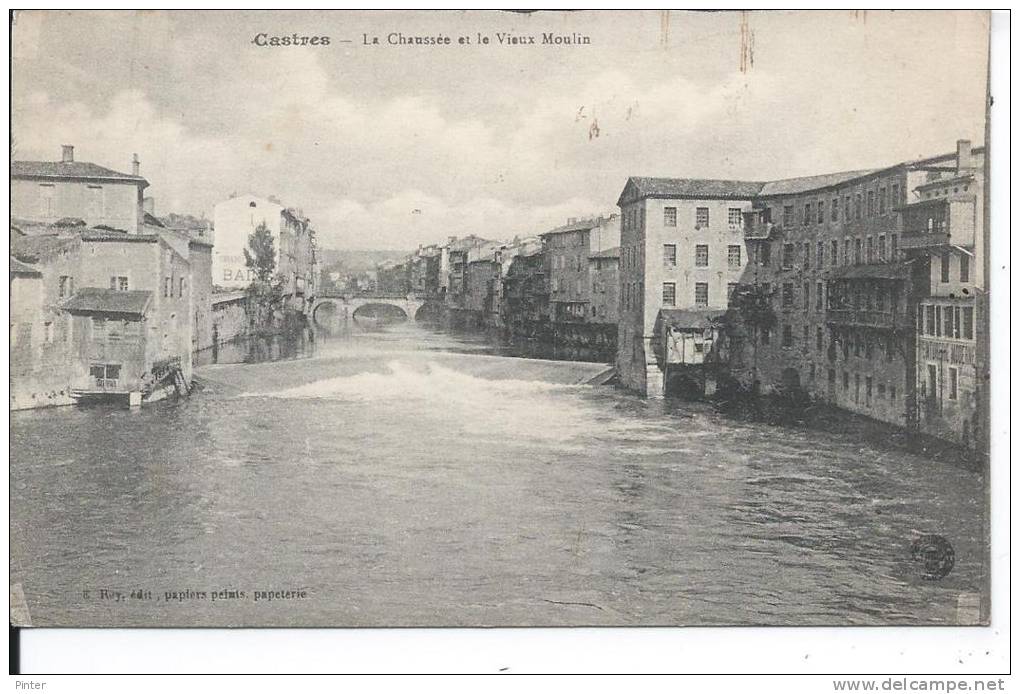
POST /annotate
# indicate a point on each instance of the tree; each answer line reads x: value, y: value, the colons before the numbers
x: 260, y: 255
x: 265, y: 292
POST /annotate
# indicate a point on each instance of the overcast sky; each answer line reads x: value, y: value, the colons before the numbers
x: 493, y: 140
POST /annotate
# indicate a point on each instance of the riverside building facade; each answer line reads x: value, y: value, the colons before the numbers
x: 866, y: 285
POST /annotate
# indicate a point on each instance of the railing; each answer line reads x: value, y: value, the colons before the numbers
x: 918, y: 240
x: 935, y: 349
x: 864, y: 317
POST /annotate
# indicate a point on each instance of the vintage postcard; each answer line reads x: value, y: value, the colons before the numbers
x: 478, y: 318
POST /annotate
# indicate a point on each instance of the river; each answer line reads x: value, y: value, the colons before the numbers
x: 409, y: 477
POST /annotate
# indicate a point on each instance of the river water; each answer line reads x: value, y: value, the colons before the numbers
x: 409, y: 477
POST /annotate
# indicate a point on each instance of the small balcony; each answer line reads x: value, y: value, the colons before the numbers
x: 865, y: 318
x: 923, y: 241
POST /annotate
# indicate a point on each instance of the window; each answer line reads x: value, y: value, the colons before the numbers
x: 807, y: 296
x: 857, y: 206
x: 701, y: 217
x: 701, y: 255
x: 804, y: 339
x: 95, y: 204
x: 871, y: 250
x: 881, y: 247
x: 787, y: 336
x: 787, y: 256
x: 968, y: 323
x: 846, y: 208
x: 871, y: 203
x: 765, y: 253
x: 787, y: 215
x: 947, y: 321
x: 857, y: 388
x: 882, y: 201
x: 730, y: 288
x: 821, y: 211
x: 766, y: 336
x: 168, y: 286
x: 965, y: 268
x: 954, y: 382
x: 669, y: 294
x: 807, y: 255
x: 701, y: 294
x: 893, y: 247
x: 846, y: 251
x: 834, y: 210
x: 857, y: 251
x: 66, y: 286
x: 846, y: 381
x: 945, y: 266
x: 669, y: 255
x: 787, y: 295
x: 48, y: 332
x: 733, y: 257
x: 669, y: 216
x: 895, y: 195
x: 820, y: 254
x: 834, y: 260
x: 819, y: 294
x: 819, y: 340
x: 98, y: 328
x: 807, y: 214
x: 735, y: 217
x: 867, y: 391
x: 119, y: 283
x: 180, y: 287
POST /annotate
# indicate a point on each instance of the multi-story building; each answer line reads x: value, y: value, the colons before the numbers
x: 828, y: 278
x: 604, y: 271
x: 112, y: 315
x: 46, y: 192
x: 942, y: 233
x: 846, y: 270
x: 525, y: 305
x: 234, y: 221
x: 567, y: 249
x: 682, y: 247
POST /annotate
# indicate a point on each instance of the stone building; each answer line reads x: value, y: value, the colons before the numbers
x: 46, y: 192
x: 112, y: 314
x: 682, y: 247
x: 942, y: 233
x: 849, y: 268
x: 525, y: 304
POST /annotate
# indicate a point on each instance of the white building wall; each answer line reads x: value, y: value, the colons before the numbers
x: 234, y: 220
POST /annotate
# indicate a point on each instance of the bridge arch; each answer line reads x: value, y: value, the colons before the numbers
x: 345, y: 309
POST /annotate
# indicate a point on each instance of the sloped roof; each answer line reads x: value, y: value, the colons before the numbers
x: 613, y: 252
x: 31, y: 249
x: 71, y: 169
x: 95, y: 300
x: 802, y: 184
x: 96, y: 234
x: 638, y: 187
x: 690, y: 319
x: 580, y: 225
x: 19, y: 268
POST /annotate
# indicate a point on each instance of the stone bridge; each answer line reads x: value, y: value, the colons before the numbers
x: 344, y: 308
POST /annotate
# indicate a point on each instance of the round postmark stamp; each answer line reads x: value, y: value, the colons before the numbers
x: 935, y: 554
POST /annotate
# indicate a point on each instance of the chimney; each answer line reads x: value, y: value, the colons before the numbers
x: 66, y: 153
x: 149, y: 205
x: 134, y: 164
x: 963, y: 158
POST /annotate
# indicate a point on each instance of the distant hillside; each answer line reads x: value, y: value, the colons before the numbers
x: 355, y: 261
